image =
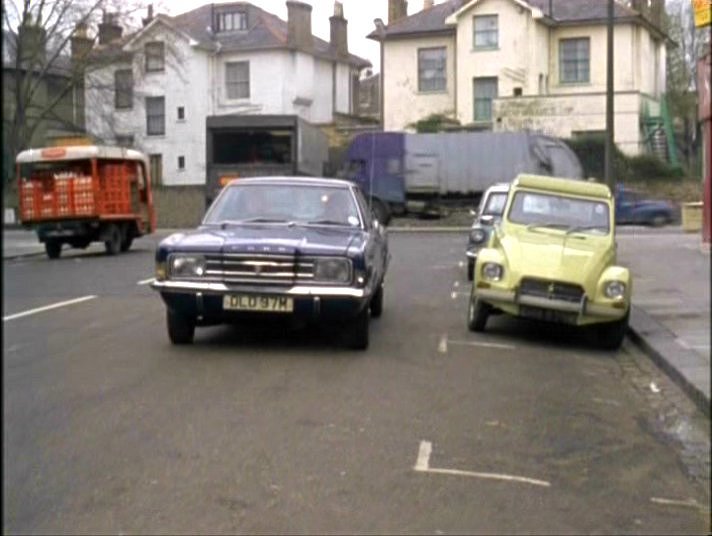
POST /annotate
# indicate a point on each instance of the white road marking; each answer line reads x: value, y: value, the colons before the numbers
x: 484, y: 344
x: 47, y: 308
x: 461, y: 264
x: 654, y: 388
x: 423, y: 461
x: 606, y: 401
x: 456, y: 284
x: 453, y: 295
x: 689, y: 503
x: 442, y: 345
x: 422, y: 465
x: 146, y: 281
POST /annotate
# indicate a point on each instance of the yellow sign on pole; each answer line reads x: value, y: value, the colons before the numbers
x: 703, y: 12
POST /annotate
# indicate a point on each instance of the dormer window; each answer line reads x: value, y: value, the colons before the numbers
x: 230, y: 21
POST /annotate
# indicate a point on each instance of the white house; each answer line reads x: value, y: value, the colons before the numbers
x: 154, y: 89
x: 525, y: 64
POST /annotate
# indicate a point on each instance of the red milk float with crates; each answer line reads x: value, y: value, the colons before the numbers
x: 75, y: 195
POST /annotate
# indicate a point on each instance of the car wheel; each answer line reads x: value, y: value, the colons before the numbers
x: 377, y: 302
x: 126, y: 243
x: 658, y: 220
x: 112, y: 243
x: 181, y: 328
x: 356, y: 333
x: 53, y: 248
x: 611, y: 334
x: 470, y: 268
x: 477, y: 314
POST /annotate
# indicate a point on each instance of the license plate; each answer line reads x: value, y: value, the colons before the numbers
x: 252, y: 302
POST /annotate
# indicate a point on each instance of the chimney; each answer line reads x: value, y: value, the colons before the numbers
x: 397, y: 9
x: 339, y: 36
x: 81, y: 43
x: 149, y: 18
x: 427, y: 4
x: 299, y: 33
x: 31, y: 40
x: 109, y: 30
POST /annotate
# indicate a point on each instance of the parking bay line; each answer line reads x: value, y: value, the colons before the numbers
x: 47, y: 308
x: 147, y: 281
x: 497, y: 345
x: 422, y: 465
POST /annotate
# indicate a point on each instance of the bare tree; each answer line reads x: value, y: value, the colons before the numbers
x: 689, y: 43
x: 43, y: 80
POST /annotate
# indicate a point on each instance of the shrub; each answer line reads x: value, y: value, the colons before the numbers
x: 650, y: 167
x: 591, y: 151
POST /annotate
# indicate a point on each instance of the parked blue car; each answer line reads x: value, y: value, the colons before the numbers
x: 634, y: 207
x: 301, y: 249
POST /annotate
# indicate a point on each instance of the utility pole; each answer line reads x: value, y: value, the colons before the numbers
x: 609, y: 178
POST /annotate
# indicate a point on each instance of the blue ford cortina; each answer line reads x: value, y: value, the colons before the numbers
x: 302, y: 249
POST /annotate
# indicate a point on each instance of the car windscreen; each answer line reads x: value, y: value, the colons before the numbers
x: 285, y: 203
x: 559, y: 211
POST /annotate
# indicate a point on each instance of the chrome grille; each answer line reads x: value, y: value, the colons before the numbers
x: 555, y: 290
x: 261, y: 269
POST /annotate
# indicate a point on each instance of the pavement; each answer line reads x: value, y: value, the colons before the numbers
x: 670, y: 317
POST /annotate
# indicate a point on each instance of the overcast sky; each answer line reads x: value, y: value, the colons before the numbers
x: 359, y: 13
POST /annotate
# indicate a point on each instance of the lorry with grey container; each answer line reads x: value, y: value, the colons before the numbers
x: 403, y: 172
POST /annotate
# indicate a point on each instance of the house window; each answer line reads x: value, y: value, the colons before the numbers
x: 485, y: 91
x: 124, y: 140
x: 123, y: 89
x: 226, y: 22
x: 237, y: 79
x: 181, y: 162
x: 574, y: 60
x: 431, y: 69
x: 486, y: 31
x: 155, y: 56
x: 156, y: 163
x: 155, y: 116
x: 181, y: 113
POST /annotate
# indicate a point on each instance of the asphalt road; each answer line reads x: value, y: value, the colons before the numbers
x: 523, y: 429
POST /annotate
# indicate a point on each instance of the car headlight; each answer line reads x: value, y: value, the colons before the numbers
x: 332, y: 270
x: 186, y: 266
x: 492, y: 271
x: 614, y: 289
x: 477, y: 236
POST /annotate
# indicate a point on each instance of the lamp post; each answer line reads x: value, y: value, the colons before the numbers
x: 608, y: 169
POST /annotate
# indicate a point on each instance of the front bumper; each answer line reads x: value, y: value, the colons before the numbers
x: 580, y: 312
x: 204, y: 300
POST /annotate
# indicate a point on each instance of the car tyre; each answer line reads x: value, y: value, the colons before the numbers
x: 470, y: 269
x: 356, y: 333
x: 611, y: 334
x: 126, y: 243
x: 112, y: 244
x: 53, y: 248
x: 377, y: 302
x: 181, y: 328
x: 477, y: 314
